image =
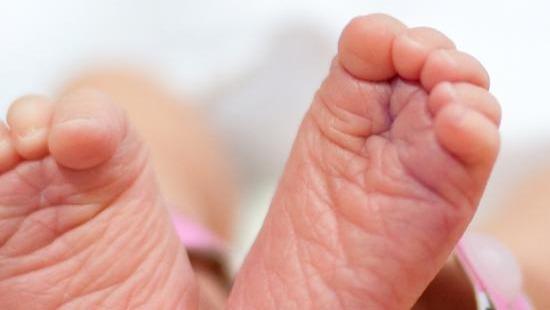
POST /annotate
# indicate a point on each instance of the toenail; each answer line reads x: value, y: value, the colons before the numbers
x: 4, y: 143
x: 6, y: 149
x: 457, y: 112
x: 449, y: 91
x: 80, y: 121
x: 447, y: 57
x: 31, y: 134
x: 409, y: 40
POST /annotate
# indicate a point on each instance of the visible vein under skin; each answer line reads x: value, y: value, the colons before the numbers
x: 381, y: 210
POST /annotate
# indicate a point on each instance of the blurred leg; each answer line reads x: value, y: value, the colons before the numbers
x: 192, y: 167
x: 524, y: 227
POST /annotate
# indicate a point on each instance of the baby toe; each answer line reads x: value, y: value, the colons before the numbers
x: 471, y: 95
x: 86, y: 129
x: 452, y: 66
x: 468, y: 135
x: 365, y: 46
x: 412, y: 47
x: 29, y: 120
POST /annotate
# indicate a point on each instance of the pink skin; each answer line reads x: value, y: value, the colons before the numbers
x: 83, y: 225
x: 384, y: 176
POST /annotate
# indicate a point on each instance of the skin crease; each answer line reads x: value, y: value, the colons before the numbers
x: 207, y: 195
x: 348, y: 226
x: 139, y: 96
x: 76, y: 237
x: 376, y: 192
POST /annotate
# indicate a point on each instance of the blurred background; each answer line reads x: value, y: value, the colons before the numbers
x: 253, y: 66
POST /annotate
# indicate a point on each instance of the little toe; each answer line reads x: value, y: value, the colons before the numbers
x: 453, y: 66
x: 29, y: 120
x: 8, y: 154
x: 468, y: 135
x: 471, y: 95
x: 365, y: 46
x: 86, y: 129
x: 412, y: 47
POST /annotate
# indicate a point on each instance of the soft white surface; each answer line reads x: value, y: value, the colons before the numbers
x: 193, y: 43
x: 255, y: 63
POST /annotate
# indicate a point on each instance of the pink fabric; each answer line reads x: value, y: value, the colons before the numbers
x: 482, y: 286
x: 196, y: 237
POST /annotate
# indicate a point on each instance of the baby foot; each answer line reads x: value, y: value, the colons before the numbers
x: 385, y: 174
x: 82, y: 224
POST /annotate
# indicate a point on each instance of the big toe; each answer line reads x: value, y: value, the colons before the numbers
x: 86, y: 129
x: 365, y: 47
